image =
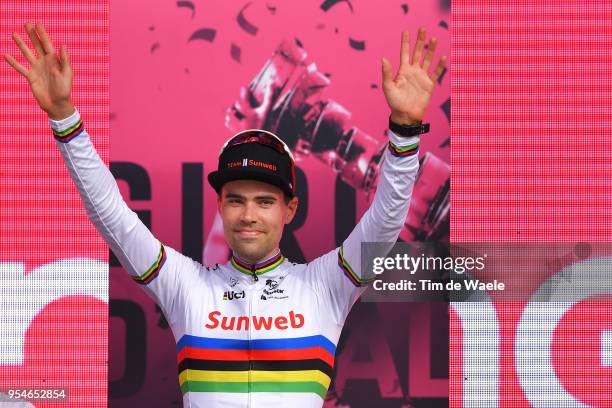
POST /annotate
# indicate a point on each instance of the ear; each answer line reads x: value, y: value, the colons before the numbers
x: 291, y: 210
x: 219, y: 202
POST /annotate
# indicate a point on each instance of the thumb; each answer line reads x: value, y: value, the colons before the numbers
x: 387, y: 71
x: 65, y: 58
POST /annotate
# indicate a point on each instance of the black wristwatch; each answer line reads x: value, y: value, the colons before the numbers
x: 408, y: 130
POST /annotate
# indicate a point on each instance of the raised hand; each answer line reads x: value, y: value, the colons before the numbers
x: 50, y: 77
x: 408, y: 94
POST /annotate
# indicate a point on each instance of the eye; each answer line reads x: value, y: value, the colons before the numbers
x: 234, y: 200
x: 267, y: 202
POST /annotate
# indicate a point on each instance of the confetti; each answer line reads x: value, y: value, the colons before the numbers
x: 244, y: 23
x: 235, y: 52
x: 154, y: 47
x: 405, y: 8
x: 299, y: 43
x: 446, y: 106
x: 356, y: 44
x: 207, y: 34
x: 443, y: 24
x: 441, y: 75
x: 327, y: 4
x: 271, y: 8
x: 187, y: 4
x: 239, y: 115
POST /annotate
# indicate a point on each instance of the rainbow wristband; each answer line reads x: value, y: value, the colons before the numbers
x: 67, y: 135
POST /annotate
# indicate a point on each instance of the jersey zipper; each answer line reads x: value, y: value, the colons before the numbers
x: 255, y: 277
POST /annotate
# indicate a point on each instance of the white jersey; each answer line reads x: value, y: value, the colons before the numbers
x: 261, y: 335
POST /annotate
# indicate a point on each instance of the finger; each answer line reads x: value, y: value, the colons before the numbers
x: 34, y: 38
x: 439, y: 69
x: 65, y: 59
x: 13, y: 63
x: 44, y: 39
x: 25, y: 50
x: 430, y: 53
x: 405, y: 50
x: 387, y: 71
x: 418, y: 48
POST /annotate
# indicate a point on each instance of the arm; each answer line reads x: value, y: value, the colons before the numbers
x: 338, y: 273
x: 149, y: 263
x: 164, y: 273
x: 408, y: 95
x: 136, y: 248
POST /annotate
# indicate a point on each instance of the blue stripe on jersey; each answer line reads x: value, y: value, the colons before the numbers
x: 257, y: 344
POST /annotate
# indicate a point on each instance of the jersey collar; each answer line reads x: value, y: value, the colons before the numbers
x: 260, y: 267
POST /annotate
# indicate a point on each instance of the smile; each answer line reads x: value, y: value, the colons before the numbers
x: 247, y: 233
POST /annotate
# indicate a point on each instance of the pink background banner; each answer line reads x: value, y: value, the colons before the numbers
x: 53, y: 263
x: 532, y: 162
x: 184, y: 77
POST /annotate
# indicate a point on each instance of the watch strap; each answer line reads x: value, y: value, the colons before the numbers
x: 408, y: 130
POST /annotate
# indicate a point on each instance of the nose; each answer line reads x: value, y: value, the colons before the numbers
x: 248, y: 215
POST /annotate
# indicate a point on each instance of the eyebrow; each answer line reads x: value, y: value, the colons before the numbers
x: 259, y: 197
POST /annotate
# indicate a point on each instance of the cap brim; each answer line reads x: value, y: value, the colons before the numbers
x: 218, y: 178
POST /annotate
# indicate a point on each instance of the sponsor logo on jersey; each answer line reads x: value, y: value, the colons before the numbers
x: 270, y: 291
x: 292, y: 321
x: 233, y: 282
x: 271, y: 283
x: 231, y: 295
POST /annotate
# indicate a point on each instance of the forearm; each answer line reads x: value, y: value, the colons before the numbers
x: 384, y: 219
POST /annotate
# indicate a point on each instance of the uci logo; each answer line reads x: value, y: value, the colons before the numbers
x: 230, y: 295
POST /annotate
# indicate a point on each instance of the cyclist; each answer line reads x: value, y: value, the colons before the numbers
x: 259, y: 330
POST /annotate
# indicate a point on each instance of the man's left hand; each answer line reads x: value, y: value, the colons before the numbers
x: 408, y: 94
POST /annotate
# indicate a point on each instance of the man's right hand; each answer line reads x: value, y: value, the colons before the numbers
x: 50, y: 77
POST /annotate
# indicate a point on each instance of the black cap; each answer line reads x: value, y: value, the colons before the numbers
x: 255, y: 161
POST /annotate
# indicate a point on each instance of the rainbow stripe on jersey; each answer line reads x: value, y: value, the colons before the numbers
x: 403, y: 151
x: 299, y: 364
x: 153, y: 271
x: 260, y: 267
x: 70, y: 133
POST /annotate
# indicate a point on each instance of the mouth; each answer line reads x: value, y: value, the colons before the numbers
x: 249, y: 233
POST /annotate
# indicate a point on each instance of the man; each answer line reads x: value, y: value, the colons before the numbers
x: 258, y: 330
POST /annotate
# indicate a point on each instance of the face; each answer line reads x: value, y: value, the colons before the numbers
x: 254, y: 215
